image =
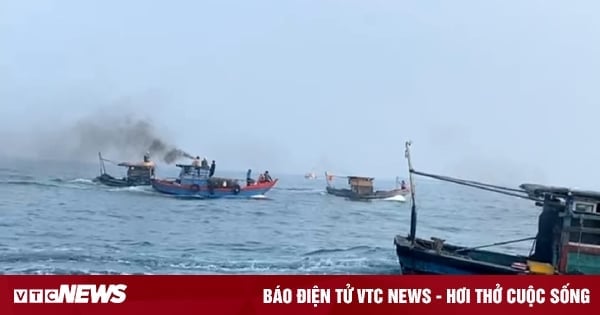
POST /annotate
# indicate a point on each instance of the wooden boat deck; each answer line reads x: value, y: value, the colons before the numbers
x: 435, y: 257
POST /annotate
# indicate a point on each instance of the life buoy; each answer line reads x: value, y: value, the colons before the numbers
x: 236, y: 189
x: 195, y: 187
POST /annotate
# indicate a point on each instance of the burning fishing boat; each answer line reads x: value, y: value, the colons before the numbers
x: 138, y: 174
x: 310, y: 175
x: 567, y: 241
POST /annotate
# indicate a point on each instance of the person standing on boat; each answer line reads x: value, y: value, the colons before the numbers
x: 213, y: 165
x: 149, y: 163
x: 403, y: 185
x: 196, y: 162
x: 204, y: 163
x: 268, y: 178
x: 249, y: 180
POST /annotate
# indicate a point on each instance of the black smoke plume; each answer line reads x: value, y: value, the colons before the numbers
x: 125, y: 138
x: 170, y: 154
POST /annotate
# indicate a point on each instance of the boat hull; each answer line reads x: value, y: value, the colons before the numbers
x: 171, y: 187
x: 111, y: 181
x: 380, y: 194
x: 423, y: 258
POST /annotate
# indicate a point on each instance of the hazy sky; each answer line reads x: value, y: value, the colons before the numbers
x: 493, y: 90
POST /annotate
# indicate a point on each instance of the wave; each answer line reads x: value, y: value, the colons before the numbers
x: 300, y: 190
x: 138, y: 189
x: 77, y: 183
x: 295, y: 189
x: 28, y: 183
x: 74, y: 180
x: 395, y: 198
x: 71, y: 272
x: 130, y: 257
x: 82, y: 180
x: 260, y: 197
x: 20, y: 177
x: 339, y: 250
x: 142, y: 265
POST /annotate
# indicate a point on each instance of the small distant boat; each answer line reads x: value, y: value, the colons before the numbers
x: 195, y: 182
x: 361, y: 188
x: 310, y: 175
x: 138, y: 174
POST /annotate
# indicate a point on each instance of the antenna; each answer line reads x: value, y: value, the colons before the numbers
x: 413, y: 212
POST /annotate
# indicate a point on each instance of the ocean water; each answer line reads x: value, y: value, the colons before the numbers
x: 55, y: 220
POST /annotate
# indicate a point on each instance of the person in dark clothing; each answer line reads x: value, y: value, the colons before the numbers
x: 212, y: 169
x: 249, y: 180
x: 268, y: 177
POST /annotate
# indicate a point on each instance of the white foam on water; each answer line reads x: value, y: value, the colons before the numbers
x: 259, y: 197
x: 82, y: 180
x: 141, y: 189
x: 398, y: 198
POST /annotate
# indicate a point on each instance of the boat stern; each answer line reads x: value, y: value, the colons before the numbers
x: 259, y: 189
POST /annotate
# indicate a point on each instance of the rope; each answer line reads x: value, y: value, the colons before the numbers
x: 469, y: 182
x: 483, y: 186
x: 493, y: 188
x: 496, y: 244
x: 580, y: 238
x: 110, y: 161
x: 532, y: 250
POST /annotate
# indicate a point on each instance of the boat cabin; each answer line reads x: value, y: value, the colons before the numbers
x: 138, y: 171
x: 138, y: 174
x: 568, y: 229
x: 361, y: 185
x: 197, y: 175
x: 191, y: 174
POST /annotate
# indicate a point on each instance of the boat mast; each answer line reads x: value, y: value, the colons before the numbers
x: 102, y: 167
x: 413, y: 211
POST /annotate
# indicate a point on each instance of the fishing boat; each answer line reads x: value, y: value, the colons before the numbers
x: 195, y: 181
x: 567, y: 241
x: 310, y: 175
x: 362, y: 188
x: 138, y: 174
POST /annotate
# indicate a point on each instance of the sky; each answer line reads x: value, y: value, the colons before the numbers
x: 501, y: 91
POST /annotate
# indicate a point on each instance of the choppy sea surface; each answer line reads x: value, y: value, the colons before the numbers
x: 55, y: 220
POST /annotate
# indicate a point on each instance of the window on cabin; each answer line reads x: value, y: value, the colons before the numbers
x: 585, y: 207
